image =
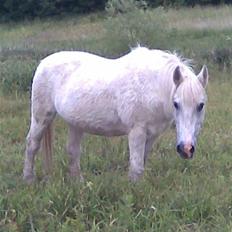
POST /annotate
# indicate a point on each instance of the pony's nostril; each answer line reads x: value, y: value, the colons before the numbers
x: 178, y: 148
x: 192, y: 149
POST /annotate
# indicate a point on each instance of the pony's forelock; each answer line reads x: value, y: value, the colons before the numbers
x: 191, y: 91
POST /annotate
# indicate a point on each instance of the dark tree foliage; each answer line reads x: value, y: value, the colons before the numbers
x: 191, y: 3
x: 28, y: 9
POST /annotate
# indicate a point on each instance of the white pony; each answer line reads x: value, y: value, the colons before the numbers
x: 139, y: 95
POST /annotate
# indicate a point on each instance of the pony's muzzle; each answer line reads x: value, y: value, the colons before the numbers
x: 185, y: 150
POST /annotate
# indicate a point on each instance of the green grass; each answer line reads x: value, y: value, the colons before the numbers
x: 174, y: 194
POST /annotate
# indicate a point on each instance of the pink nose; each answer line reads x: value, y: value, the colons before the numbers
x: 188, y: 150
x: 185, y: 150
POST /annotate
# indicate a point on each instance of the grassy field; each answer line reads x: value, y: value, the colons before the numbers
x: 174, y: 194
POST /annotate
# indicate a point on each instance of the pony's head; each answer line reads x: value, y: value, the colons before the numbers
x: 189, y: 108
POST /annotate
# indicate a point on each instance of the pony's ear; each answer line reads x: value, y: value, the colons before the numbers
x: 177, y: 76
x: 203, y: 76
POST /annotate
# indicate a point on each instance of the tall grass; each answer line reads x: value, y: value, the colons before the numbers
x: 174, y: 195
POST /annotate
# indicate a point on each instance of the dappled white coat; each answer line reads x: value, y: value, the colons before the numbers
x: 109, y: 97
x: 132, y: 95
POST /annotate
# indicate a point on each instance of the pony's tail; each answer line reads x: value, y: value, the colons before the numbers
x: 47, y: 149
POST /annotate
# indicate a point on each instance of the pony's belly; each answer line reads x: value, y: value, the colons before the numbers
x: 103, y: 131
x: 94, y: 120
x: 101, y: 127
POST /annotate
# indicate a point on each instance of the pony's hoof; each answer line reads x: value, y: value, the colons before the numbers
x: 76, y: 176
x: 29, y: 179
x: 134, y: 177
x: 46, y: 179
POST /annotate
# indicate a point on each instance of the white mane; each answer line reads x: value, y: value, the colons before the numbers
x: 159, y: 57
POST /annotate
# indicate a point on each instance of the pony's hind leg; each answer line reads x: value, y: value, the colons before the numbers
x: 34, y: 137
x: 74, y: 151
x: 32, y: 146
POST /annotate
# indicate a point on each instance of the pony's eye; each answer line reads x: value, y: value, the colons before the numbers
x: 176, y: 105
x: 200, y: 107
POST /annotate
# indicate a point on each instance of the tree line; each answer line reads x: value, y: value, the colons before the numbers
x: 29, y: 9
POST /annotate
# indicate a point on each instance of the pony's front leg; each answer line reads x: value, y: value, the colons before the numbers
x: 74, y: 151
x: 137, y: 141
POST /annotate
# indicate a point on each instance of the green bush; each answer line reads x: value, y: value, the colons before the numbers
x: 16, y: 74
x: 114, y: 7
x: 137, y: 26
